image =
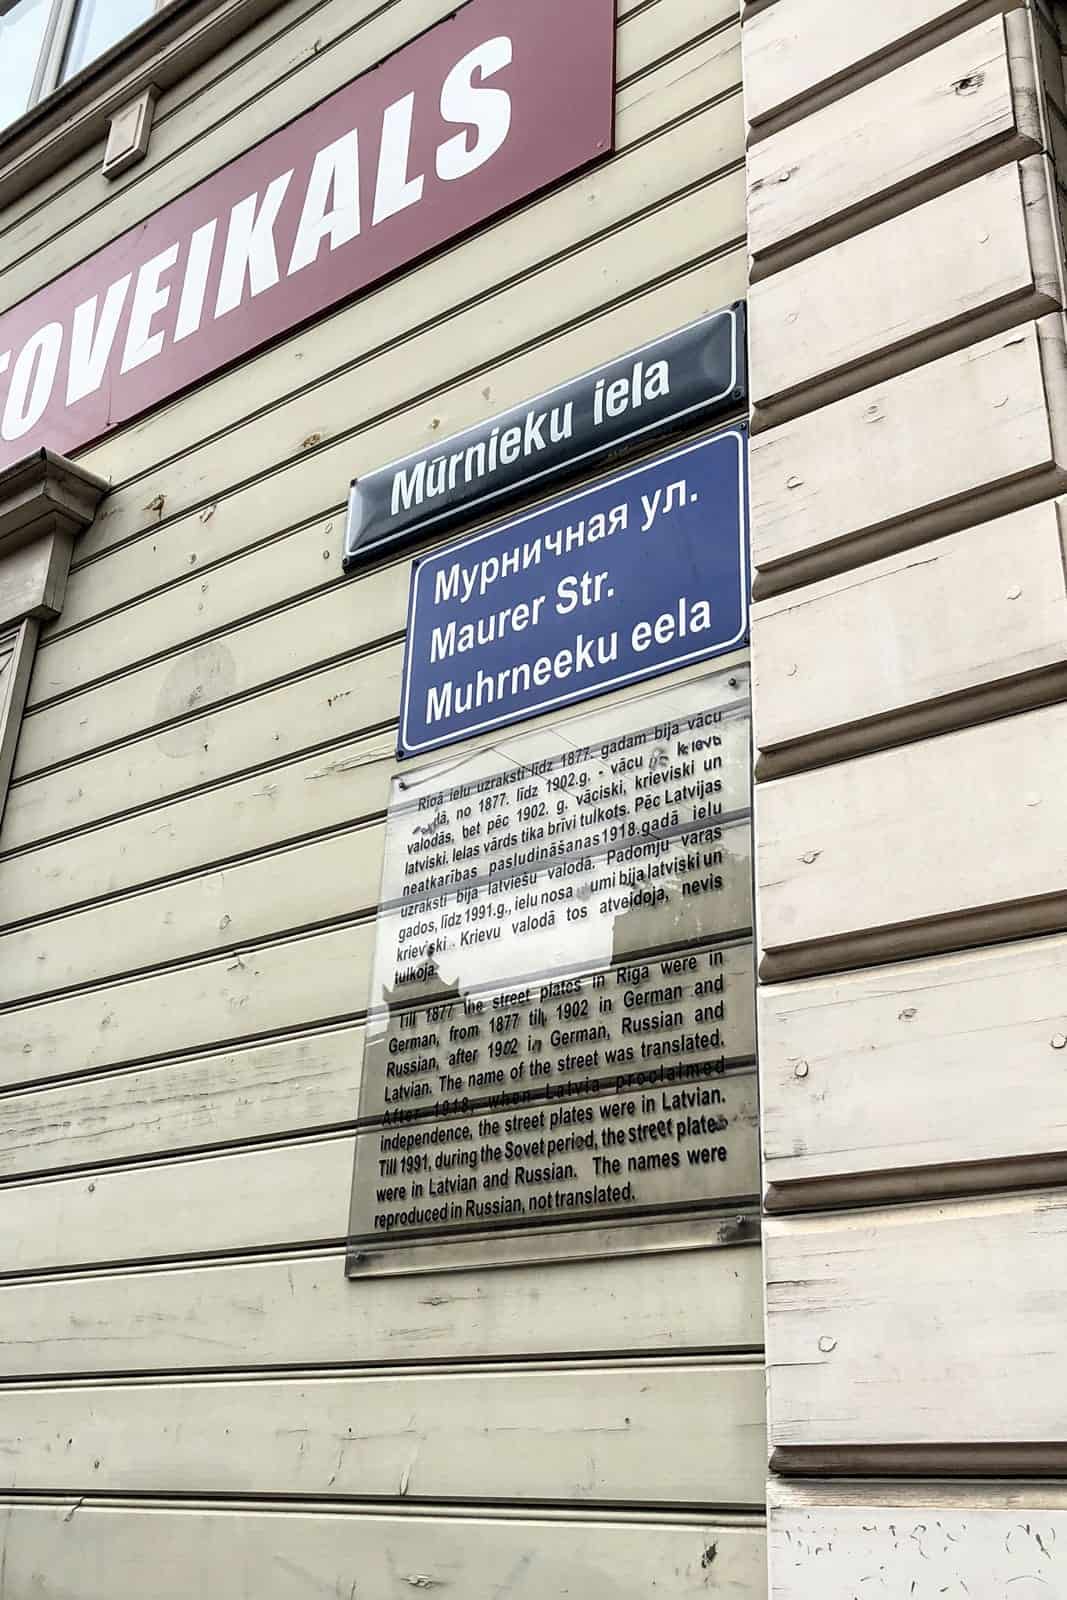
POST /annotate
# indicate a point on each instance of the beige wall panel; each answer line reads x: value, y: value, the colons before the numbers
x: 347, y: 783
x: 301, y: 1310
x: 598, y: 201
x: 48, y: 241
x: 921, y: 1077
x: 816, y: 50
x: 356, y: 408
x: 965, y: 438
x: 346, y: 617
x: 321, y: 708
x: 916, y: 1326
x: 582, y: 1434
x: 321, y: 978
x: 926, y: 1541
x: 226, y: 70
x: 258, y: 1092
x: 293, y: 1194
x: 268, y: 895
x: 949, y: 633
x: 954, y: 270
x: 263, y: 39
x: 954, y: 840
x: 958, y: 110
x: 103, y: 1552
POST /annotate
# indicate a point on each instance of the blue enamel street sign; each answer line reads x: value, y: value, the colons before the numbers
x: 638, y: 574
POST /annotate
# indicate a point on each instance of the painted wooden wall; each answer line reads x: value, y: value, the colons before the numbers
x: 905, y: 183
x: 189, y: 866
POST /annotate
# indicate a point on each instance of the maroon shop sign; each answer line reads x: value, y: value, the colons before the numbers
x: 487, y: 108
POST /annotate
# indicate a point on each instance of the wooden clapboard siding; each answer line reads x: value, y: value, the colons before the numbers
x: 102, y: 1552
x: 980, y: 258
x: 346, y: 784
x: 933, y: 1332
x: 938, y: 1075
x: 923, y: 1540
x: 295, y: 1084
x: 204, y: 602
x: 801, y: 55
x: 42, y: 742
x: 318, y: 978
x: 940, y: 636
x: 949, y: 841
x: 299, y: 1310
x: 324, y: 707
x: 654, y: 164
x: 294, y: 76
x: 963, y: 439
x: 582, y: 1434
x: 960, y: 109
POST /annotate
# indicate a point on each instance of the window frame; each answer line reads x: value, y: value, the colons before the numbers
x: 57, y: 34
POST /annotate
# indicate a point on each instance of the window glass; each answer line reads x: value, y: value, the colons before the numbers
x: 98, y: 24
x: 22, y: 30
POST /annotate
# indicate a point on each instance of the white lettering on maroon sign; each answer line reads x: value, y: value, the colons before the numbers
x: 492, y: 105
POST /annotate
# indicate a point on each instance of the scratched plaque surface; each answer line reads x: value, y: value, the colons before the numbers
x: 561, y: 1029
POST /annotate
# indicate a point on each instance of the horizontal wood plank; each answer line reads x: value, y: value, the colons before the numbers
x: 969, y: 436
x: 924, y: 1542
x: 292, y: 1194
x: 302, y: 1311
x: 920, y: 1329
x: 103, y: 1552
x: 320, y: 978
x: 936, y: 637
x: 903, y: 852
x: 957, y: 269
x: 960, y: 109
x: 924, y: 1077
x: 648, y: 1434
x: 224, y: 1097
x: 347, y: 783
x: 803, y: 54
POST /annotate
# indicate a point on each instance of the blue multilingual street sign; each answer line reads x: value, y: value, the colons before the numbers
x: 636, y: 575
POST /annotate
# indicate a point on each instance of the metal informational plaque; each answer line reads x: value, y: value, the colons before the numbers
x: 561, y: 1029
x: 623, y: 580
